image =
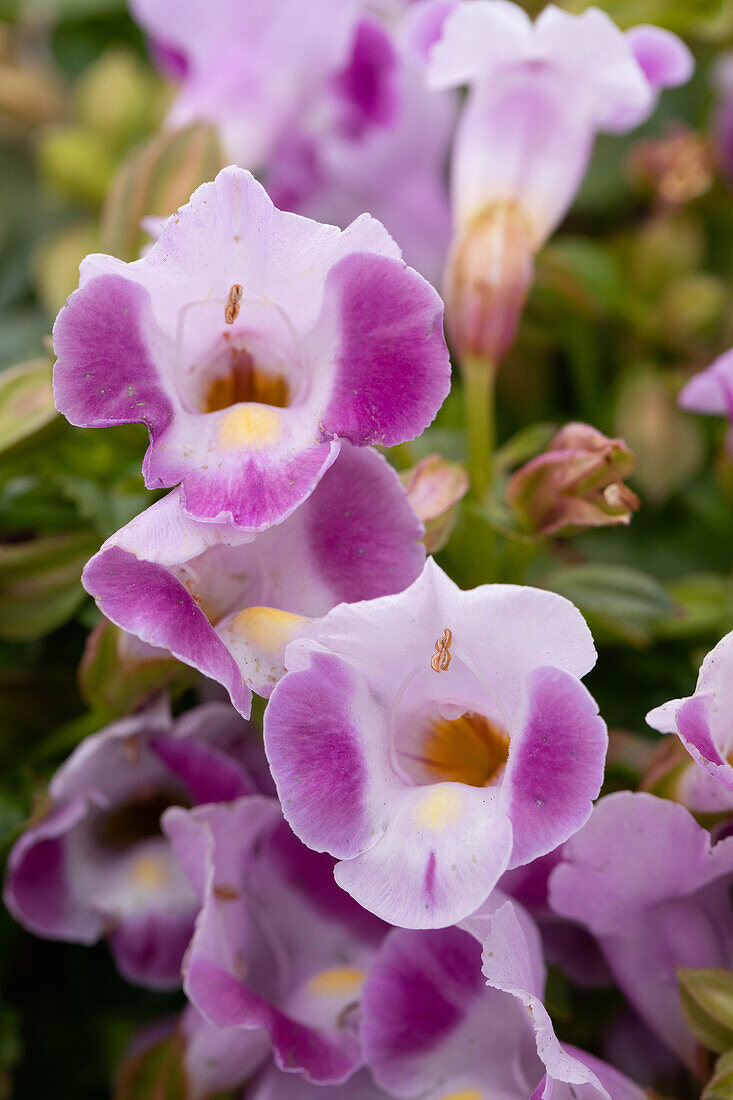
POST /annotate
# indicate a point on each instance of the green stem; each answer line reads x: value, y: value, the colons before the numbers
x: 478, y: 385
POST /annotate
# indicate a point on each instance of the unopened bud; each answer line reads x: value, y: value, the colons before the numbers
x: 489, y: 274
x: 576, y: 483
x: 707, y: 1005
x: 677, y: 168
x: 434, y: 488
x: 119, y: 671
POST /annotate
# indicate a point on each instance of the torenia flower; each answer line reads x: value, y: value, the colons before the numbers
x: 648, y: 882
x: 251, y: 343
x: 432, y: 739
x: 711, y: 391
x: 227, y: 601
x: 324, y: 101
x: 538, y: 94
x: 433, y: 1029
x: 576, y: 483
x: 277, y: 945
x: 216, y: 1060
x: 96, y: 863
x: 702, y: 723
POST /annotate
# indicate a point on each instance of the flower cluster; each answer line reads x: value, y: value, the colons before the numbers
x: 360, y: 894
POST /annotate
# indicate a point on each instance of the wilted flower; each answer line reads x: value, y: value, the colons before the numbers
x: 649, y: 883
x: 251, y: 343
x: 703, y: 724
x: 576, y: 483
x: 431, y: 1026
x: 277, y: 945
x: 538, y: 94
x: 430, y: 740
x: 325, y: 100
x: 96, y: 863
x: 227, y: 601
x: 434, y: 489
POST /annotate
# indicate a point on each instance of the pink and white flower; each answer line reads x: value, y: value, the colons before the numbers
x: 252, y: 343
x: 97, y: 864
x: 433, y: 1029
x: 433, y: 739
x: 711, y: 391
x: 277, y: 946
x: 702, y: 722
x: 324, y: 100
x: 538, y: 94
x: 649, y: 883
x: 227, y: 601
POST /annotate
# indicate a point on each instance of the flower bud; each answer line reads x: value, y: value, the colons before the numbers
x: 434, y: 488
x: 489, y: 274
x: 119, y: 671
x: 676, y: 168
x: 707, y: 1005
x: 576, y: 483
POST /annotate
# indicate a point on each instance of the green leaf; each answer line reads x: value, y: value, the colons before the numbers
x: 154, y: 180
x: 704, y: 607
x: 26, y: 404
x: 720, y: 1085
x: 155, y: 1073
x: 40, y: 587
x: 526, y: 444
x: 621, y: 604
x: 707, y: 1005
x: 117, y: 672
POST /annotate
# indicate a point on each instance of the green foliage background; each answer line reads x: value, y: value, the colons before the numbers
x: 632, y: 296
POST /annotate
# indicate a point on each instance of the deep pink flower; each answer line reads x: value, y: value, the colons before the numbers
x: 251, y: 343
x: 227, y: 601
x: 430, y: 740
x: 96, y: 863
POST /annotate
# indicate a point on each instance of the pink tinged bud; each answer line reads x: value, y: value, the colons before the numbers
x: 677, y: 168
x: 489, y: 274
x: 576, y: 483
x: 434, y: 488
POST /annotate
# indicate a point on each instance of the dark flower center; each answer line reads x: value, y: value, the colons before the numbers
x: 470, y: 749
x: 245, y: 382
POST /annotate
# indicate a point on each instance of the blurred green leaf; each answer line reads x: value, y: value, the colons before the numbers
x: 686, y: 17
x: 40, y: 585
x: 620, y: 603
x: 707, y: 1005
x: 720, y: 1085
x: 704, y: 607
x: 157, y: 178
x: 154, y: 1073
x: 26, y: 404
x: 118, y: 672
